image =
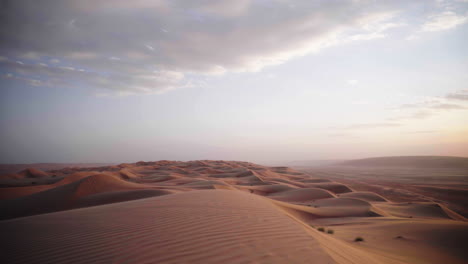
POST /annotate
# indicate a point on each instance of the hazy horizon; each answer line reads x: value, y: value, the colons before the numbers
x: 252, y: 80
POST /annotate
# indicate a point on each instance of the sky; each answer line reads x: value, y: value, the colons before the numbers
x: 266, y: 81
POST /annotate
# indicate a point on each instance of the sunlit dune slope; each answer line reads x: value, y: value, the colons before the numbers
x: 216, y: 226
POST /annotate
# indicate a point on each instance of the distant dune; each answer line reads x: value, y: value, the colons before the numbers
x: 15, y: 168
x: 410, y: 161
x: 216, y: 212
x: 311, y: 163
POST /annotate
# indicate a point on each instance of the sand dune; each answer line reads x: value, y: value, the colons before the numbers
x: 420, y: 210
x: 14, y: 192
x: 411, y: 161
x: 445, y: 186
x: 212, y: 212
x: 366, y: 196
x: 6, y: 169
x: 424, y: 241
x: 65, y: 195
x: 32, y: 173
x: 331, y: 186
x: 301, y: 195
x: 26, y: 177
x: 192, y: 227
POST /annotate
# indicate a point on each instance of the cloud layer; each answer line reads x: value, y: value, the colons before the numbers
x: 148, y: 46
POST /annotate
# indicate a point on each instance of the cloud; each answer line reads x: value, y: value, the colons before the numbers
x: 447, y: 106
x: 352, y: 82
x: 431, y: 106
x: 420, y: 114
x: 443, y: 102
x: 412, y: 105
x: 375, y: 26
x: 149, y: 47
x: 461, y: 95
x: 70, y: 77
x: 161, y: 39
x: 444, y: 21
x: 418, y: 111
x: 446, y: 15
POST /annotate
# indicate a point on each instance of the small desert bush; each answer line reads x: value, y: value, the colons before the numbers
x: 330, y: 231
x: 321, y: 229
x: 358, y: 239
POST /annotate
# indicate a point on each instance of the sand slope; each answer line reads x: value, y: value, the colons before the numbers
x: 78, y: 193
x: 194, y: 227
x: 422, y: 241
x: 216, y: 212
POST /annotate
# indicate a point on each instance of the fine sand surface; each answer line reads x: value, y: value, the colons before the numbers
x: 216, y: 212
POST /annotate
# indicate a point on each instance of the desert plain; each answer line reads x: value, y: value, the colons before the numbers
x: 230, y: 212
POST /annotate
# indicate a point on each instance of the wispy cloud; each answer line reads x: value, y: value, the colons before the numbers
x: 70, y: 77
x: 444, y: 21
x: 420, y: 114
x: 448, y: 15
x: 447, y: 106
x: 376, y: 26
x: 461, y: 95
x: 430, y: 107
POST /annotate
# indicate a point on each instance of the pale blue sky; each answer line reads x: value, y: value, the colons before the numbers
x: 263, y: 81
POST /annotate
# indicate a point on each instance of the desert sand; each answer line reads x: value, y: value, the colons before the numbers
x: 216, y: 212
x: 411, y: 162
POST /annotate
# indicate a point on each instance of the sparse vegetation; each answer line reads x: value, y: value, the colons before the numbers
x: 358, y: 239
x: 330, y: 231
x: 321, y: 229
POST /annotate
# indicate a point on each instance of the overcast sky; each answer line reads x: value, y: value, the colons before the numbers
x: 255, y: 80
